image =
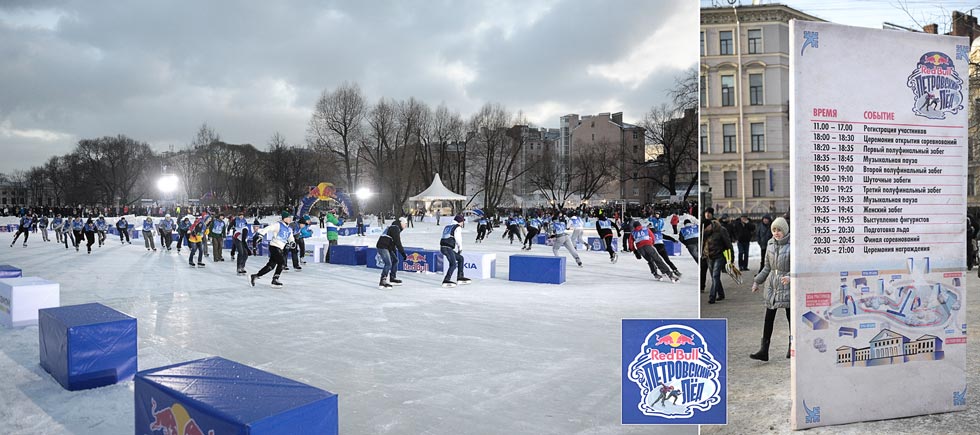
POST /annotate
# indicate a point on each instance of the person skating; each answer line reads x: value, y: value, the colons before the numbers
x: 301, y: 231
x: 513, y: 229
x: 533, y: 228
x: 774, y: 279
x: 360, y: 225
x: 123, y: 228
x: 451, y: 245
x: 42, y: 224
x: 101, y: 226
x: 89, y: 229
x: 56, y: 225
x: 561, y: 239
x: 235, y: 226
x: 182, y: 227
x: 689, y: 237
x: 657, y: 225
x: 148, y: 229
x: 281, y: 239
x: 66, y: 233
x: 605, y: 229
x: 167, y: 226
x: 641, y: 241
x: 578, y: 227
x: 240, y: 240
x: 481, y: 228
x: 24, y: 228
x: 76, y: 230
x: 217, y: 234
x: 389, y: 242
x: 195, y: 242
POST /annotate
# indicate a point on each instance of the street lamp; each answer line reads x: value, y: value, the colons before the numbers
x: 363, y: 193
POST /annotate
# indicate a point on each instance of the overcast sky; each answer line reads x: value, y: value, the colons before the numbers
x: 156, y: 71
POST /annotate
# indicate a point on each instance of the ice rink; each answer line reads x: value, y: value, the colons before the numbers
x: 493, y: 357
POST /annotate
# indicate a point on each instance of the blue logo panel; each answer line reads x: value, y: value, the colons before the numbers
x: 675, y: 371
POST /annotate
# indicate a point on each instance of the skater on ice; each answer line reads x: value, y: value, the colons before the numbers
x: 451, y: 245
x: 640, y: 241
x: 561, y: 239
x: 281, y: 239
x: 388, y: 243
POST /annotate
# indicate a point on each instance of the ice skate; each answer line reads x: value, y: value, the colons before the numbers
x: 395, y: 281
x: 614, y: 258
x: 276, y: 283
x: 298, y: 268
x: 384, y: 285
x: 251, y: 279
x: 677, y: 273
x: 579, y: 262
x: 464, y: 280
x: 200, y: 264
x: 193, y: 265
x: 448, y: 284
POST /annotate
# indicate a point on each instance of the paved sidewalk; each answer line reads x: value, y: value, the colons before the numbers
x: 759, y: 392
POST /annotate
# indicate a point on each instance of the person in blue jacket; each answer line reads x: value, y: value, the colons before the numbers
x: 56, y: 224
x: 167, y: 226
x: 182, y: 227
x: 301, y: 231
x: 42, y: 223
x: 77, y: 227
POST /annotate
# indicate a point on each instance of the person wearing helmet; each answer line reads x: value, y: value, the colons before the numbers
x: 25, y: 228
x: 388, y: 243
x: 451, y: 245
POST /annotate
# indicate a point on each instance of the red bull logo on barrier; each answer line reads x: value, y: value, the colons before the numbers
x: 415, y: 262
x: 174, y: 420
x: 672, y: 373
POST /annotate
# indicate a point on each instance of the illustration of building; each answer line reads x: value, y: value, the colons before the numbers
x: 890, y: 347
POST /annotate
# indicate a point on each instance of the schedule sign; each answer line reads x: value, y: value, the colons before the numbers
x: 878, y: 171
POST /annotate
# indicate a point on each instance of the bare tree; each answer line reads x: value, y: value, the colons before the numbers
x: 676, y: 133
x: 590, y: 169
x: 115, y: 165
x: 495, y: 149
x: 336, y: 125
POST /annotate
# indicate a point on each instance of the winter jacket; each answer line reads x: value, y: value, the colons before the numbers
x: 331, y: 222
x: 148, y: 225
x: 391, y: 239
x: 217, y: 228
x: 744, y: 233
x: 122, y: 225
x: 101, y: 225
x: 657, y: 225
x: 770, y: 277
x: 764, y: 231
x: 640, y: 237
x: 605, y: 227
x: 716, y: 241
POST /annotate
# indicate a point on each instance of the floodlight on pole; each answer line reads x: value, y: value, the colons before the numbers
x: 363, y: 193
x: 167, y: 183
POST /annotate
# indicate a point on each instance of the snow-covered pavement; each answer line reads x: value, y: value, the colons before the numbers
x: 494, y: 357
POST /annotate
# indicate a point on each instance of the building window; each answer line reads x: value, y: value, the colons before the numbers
x: 755, y: 41
x: 728, y: 138
x: 725, y: 40
x: 702, y: 43
x: 730, y: 181
x: 704, y: 139
x: 705, y: 178
x: 704, y: 91
x: 727, y: 90
x: 636, y: 134
x: 971, y: 188
x: 755, y: 90
x: 635, y: 148
x: 758, y: 131
x: 758, y: 184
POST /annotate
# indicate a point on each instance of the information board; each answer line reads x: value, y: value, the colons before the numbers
x: 878, y: 171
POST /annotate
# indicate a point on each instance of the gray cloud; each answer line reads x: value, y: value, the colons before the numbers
x: 156, y: 70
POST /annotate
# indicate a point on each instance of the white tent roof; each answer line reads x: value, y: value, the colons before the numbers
x: 437, y: 191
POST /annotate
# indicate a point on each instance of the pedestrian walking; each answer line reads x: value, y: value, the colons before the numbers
x: 774, y: 280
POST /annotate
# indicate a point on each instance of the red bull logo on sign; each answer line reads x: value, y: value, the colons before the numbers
x: 415, y: 262
x: 174, y: 420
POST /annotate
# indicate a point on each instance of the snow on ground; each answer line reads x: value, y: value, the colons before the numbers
x: 494, y: 357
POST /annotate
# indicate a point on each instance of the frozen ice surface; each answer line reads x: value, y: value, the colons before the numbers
x: 493, y: 357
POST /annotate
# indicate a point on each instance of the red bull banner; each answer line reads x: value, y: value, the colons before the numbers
x: 217, y: 396
x: 878, y: 175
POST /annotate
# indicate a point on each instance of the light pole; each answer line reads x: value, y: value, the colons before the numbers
x: 168, y: 183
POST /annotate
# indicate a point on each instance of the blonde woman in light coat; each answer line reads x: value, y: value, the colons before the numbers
x: 774, y: 280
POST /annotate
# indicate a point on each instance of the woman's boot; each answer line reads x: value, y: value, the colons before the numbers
x: 763, y: 353
x: 789, y: 348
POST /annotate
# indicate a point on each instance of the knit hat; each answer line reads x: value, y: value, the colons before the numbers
x: 256, y: 222
x: 286, y: 214
x: 780, y: 224
x: 459, y: 218
x: 403, y: 220
x: 637, y: 224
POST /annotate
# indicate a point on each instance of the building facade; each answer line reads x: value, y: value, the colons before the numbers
x: 627, y: 142
x: 744, y: 124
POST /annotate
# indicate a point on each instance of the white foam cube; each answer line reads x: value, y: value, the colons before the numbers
x: 479, y: 265
x: 20, y: 298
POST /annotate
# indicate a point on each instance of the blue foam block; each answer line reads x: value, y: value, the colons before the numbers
x: 418, y: 259
x: 348, y: 254
x: 8, y: 271
x: 87, y: 346
x: 228, y: 242
x: 216, y: 395
x: 537, y: 268
x: 541, y: 239
x: 596, y: 244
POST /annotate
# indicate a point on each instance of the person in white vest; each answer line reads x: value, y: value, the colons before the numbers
x: 561, y: 239
x: 578, y: 227
x: 451, y: 246
x: 281, y: 239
